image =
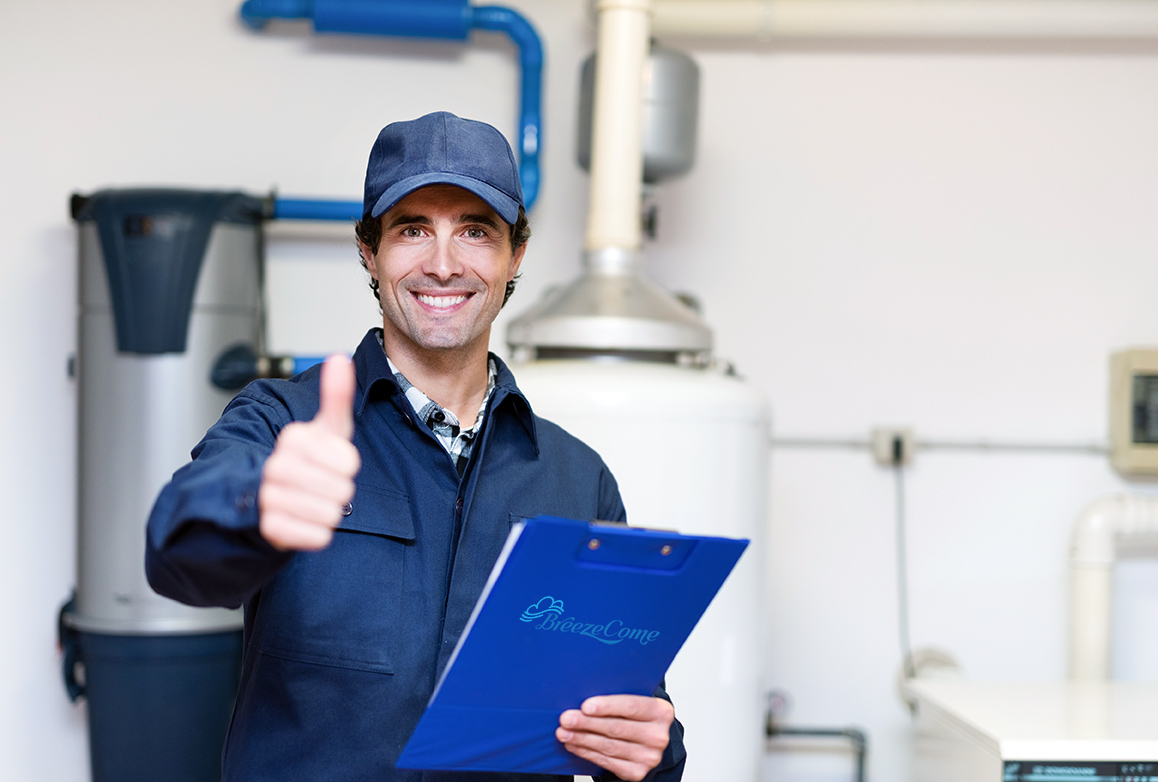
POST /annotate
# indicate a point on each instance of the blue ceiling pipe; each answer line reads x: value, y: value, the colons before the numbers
x: 441, y: 19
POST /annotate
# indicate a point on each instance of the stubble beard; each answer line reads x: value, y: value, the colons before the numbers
x: 439, y: 333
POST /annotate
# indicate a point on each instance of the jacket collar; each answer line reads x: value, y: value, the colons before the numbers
x: 371, y: 368
x: 507, y: 393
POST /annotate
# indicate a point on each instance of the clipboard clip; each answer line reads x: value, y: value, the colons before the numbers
x: 639, y: 550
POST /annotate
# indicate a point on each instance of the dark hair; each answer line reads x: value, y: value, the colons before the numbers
x: 369, y: 232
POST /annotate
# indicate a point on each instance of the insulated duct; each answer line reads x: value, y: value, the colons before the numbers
x: 617, y: 126
x: 773, y: 20
x: 612, y: 308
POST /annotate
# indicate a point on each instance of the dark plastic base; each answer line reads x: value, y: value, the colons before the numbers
x: 159, y: 706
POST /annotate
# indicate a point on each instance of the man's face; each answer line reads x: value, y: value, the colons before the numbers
x: 442, y: 267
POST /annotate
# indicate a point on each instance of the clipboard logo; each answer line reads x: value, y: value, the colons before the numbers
x: 547, y: 605
x: 550, y: 612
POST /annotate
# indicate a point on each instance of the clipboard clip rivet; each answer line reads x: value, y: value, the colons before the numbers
x: 593, y: 543
x: 665, y: 550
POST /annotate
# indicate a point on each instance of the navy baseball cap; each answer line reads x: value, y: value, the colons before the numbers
x: 442, y: 149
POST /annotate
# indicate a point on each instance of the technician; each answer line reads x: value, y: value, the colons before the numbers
x: 355, y: 511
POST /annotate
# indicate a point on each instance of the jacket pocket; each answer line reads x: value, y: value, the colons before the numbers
x: 341, y: 606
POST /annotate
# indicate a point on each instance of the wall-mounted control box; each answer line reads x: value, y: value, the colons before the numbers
x: 1134, y: 412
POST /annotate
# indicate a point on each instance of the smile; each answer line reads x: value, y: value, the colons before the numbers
x: 441, y: 302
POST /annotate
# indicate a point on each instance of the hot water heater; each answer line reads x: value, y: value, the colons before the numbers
x: 627, y: 367
x: 688, y: 447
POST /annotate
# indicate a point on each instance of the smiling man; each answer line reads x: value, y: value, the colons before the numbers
x: 356, y: 510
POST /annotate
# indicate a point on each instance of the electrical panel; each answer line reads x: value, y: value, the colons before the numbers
x: 1134, y: 412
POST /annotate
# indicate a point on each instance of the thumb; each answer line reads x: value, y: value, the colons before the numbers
x: 336, y: 396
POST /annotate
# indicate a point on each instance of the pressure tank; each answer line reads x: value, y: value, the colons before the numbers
x: 688, y: 446
x: 169, y: 279
x: 671, y: 99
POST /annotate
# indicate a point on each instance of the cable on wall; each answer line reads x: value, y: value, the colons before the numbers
x: 898, y: 465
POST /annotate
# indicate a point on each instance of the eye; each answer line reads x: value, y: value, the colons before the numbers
x: 412, y: 231
x: 476, y: 233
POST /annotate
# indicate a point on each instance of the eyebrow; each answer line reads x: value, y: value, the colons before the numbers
x: 482, y: 219
x: 415, y: 219
x: 405, y: 219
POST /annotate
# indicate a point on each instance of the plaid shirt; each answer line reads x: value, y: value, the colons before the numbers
x: 457, y: 441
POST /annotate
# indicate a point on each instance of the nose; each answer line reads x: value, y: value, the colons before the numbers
x: 443, y: 262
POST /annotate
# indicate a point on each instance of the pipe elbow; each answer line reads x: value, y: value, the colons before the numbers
x: 522, y: 33
x: 1103, y: 524
x: 517, y: 27
x: 1092, y: 539
x: 858, y: 738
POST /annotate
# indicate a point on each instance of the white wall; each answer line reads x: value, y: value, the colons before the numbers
x: 952, y: 238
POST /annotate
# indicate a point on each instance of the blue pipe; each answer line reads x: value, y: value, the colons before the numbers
x: 240, y: 363
x: 443, y: 19
x: 302, y: 363
x: 447, y: 19
x: 316, y: 209
x: 524, y: 36
x: 257, y: 13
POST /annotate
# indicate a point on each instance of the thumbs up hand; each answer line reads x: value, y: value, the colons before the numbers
x: 310, y: 474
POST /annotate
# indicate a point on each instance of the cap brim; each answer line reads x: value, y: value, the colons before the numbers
x: 506, y: 206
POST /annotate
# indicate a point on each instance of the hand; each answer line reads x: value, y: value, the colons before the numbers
x: 310, y: 474
x: 625, y: 734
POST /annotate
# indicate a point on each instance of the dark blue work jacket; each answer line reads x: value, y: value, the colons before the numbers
x: 343, y: 646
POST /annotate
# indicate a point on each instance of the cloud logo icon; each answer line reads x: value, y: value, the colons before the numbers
x: 546, y: 605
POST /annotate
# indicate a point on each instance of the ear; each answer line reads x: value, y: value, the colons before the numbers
x: 368, y: 259
x: 516, y: 260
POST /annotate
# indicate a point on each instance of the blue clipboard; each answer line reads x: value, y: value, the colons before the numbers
x: 570, y: 610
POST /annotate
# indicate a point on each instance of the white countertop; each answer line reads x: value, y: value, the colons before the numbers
x: 1074, y: 721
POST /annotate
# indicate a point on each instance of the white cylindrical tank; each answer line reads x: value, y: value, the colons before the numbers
x: 168, y: 280
x: 689, y: 448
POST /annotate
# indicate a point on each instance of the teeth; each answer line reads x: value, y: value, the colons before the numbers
x: 440, y: 302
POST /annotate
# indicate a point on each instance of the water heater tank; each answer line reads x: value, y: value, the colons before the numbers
x: 688, y: 447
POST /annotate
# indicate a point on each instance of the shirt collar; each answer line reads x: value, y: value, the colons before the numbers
x: 372, y: 368
x: 425, y: 407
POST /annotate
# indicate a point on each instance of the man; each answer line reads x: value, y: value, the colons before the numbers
x: 356, y: 510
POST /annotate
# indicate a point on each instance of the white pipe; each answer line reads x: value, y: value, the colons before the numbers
x: 776, y: 19
x: 617, y: 125
x: 1107, y: 528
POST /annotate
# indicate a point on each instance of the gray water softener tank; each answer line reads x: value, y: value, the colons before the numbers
x: 169, y: 279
